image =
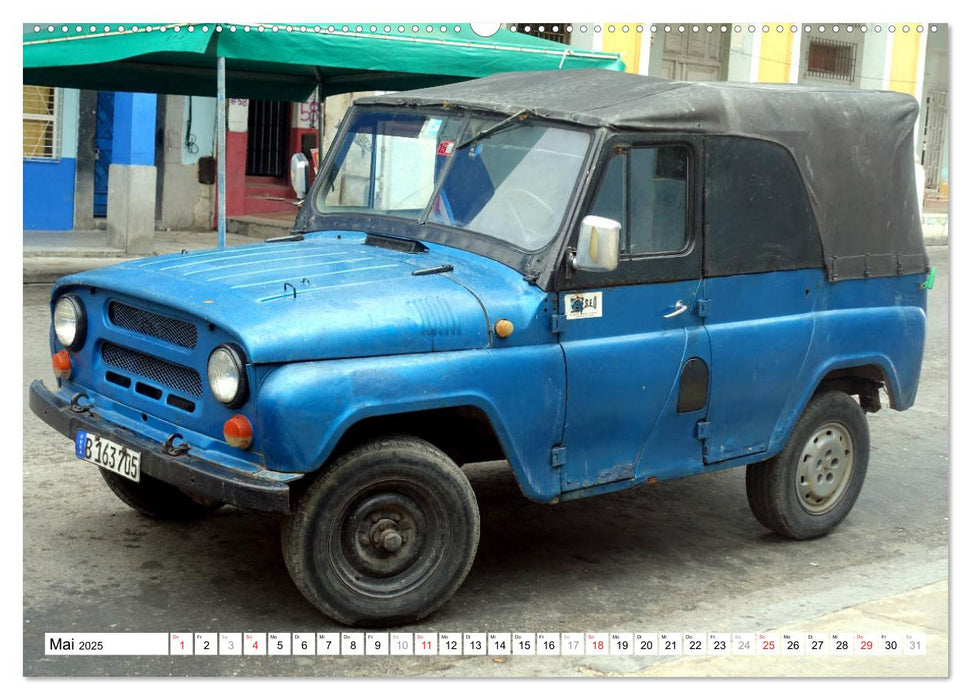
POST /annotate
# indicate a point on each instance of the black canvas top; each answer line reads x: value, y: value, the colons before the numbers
x: 854, y: 148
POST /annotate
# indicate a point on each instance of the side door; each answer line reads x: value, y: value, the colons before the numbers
x: 636, y: 351
x: 763, y: 279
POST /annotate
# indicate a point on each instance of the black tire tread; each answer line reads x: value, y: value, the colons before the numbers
x: 297, y: 526
x: 156, y: 499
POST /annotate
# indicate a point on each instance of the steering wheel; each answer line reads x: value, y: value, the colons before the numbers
x: 534, y: 200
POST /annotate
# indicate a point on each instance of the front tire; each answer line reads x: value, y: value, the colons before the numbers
x: 385, y: 536
x: 810, y: 487
x: 156, y: 499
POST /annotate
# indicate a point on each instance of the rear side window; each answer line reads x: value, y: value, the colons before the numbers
x: 757, y: 214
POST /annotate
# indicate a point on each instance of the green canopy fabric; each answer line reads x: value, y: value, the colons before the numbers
x: 284, y: 62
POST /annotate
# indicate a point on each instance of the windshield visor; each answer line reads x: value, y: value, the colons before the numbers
x: 513, y: 184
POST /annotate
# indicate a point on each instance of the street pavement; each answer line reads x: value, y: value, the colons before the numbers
x: 680, y: 556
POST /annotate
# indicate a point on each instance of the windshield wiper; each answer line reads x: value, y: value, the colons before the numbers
x: 489, y: 130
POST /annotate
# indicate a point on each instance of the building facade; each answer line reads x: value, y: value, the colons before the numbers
x: 910, y: 58
x: 145, y: 162
x: 136, y: 163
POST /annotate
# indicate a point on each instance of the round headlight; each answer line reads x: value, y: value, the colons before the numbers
x: 227, y: 377
x: 69, y: 322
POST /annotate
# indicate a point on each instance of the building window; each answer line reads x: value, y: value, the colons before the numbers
x: 831, y: 59
x: 553, y: 31
x: 42, y: 123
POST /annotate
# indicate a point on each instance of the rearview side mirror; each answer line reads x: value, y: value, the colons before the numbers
x: 299, y: 174
x: 598, y: 247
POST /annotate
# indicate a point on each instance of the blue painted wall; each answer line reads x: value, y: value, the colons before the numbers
x: 49, y: 184
x: 49, y: 195
x: 134, y: 138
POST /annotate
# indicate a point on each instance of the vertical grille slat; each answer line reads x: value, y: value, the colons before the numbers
x: 171, y: 330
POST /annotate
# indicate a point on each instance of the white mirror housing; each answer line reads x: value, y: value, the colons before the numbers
x: 598, y: 247
x: 299, y: 174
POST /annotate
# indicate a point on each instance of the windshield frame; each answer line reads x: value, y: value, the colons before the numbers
x: 311, y: 218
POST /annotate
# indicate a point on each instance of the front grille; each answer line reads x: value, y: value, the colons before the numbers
x: 182, y: 379
x: 171, y: 330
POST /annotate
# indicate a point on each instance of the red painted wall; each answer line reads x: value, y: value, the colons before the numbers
x: 256, y: 195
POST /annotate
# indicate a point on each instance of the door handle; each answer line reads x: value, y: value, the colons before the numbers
x: 679, y: 308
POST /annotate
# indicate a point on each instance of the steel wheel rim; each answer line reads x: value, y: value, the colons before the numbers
x: 824, y: 468
x: 389, y: 538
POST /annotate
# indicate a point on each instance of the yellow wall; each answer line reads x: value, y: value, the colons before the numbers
x: 627, y: 44
x: 904, y: 60
x: 775, y: 57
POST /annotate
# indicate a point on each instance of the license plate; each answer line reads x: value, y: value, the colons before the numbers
x: 108, y: 455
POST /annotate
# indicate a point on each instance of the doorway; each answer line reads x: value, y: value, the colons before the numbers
x: 103, y: 133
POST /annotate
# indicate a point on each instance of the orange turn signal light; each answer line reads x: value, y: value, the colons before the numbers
x: 62, y: 364
x: 238, y: 432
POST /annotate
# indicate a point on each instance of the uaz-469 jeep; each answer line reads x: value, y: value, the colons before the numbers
x: 602, y: 278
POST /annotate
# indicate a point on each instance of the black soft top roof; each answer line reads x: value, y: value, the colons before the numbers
x: 854, y: 148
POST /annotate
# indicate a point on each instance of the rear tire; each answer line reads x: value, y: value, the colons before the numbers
x: 810, y: 487
x: 385, y: 535
x: 156, y: 499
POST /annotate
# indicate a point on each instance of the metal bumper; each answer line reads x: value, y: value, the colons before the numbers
x: 190, y: 474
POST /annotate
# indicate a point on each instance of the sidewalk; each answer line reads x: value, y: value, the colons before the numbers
x: 50, y: 255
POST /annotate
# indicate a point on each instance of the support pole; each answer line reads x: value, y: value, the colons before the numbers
x: 320, y: 116
x: 320, y: 124
x: 221, y: 141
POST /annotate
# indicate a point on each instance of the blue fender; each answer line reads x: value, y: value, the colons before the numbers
x: 308, y: 406
x: 890, y: 338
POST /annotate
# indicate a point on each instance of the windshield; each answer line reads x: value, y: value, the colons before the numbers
x: 513, y: 184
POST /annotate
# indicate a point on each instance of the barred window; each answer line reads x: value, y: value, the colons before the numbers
x: 831, y: 59
x: 41, y: 122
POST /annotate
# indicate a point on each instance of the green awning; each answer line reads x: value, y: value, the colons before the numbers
x: 284, y: 61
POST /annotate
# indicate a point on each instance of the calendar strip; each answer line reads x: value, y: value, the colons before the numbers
x: 495, y: 644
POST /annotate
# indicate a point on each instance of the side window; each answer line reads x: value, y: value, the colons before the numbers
x: 611, y: 201
x: 658, y: 198
x: 758, y: 217
x: 646, y: 190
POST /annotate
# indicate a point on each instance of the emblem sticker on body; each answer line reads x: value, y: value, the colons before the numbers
x: 585, y: 305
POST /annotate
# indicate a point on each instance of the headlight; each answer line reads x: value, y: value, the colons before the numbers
x: 69, y: 322
x: 227, y: 376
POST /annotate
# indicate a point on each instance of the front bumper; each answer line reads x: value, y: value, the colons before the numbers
x: 258, y: 490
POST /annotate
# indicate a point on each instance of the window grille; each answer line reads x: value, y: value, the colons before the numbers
x: 832, y: 59
x: 42, y: 122
x: 267, y: 141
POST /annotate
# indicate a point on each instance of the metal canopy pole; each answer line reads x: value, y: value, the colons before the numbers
x: 221, y: 140
x: 320, y: 116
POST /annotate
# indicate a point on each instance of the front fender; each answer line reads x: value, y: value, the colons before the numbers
x: 304, y: 408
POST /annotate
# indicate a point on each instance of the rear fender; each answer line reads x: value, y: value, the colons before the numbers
x: 889, y: 338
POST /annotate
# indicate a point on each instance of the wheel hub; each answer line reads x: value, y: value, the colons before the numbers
x: 382, y: 535
x: 825, y: 464
x: 385, y: 535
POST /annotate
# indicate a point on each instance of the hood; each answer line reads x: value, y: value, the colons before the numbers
x: 327, y: 296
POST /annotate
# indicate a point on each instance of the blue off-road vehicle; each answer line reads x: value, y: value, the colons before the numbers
x: 605, y: 279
